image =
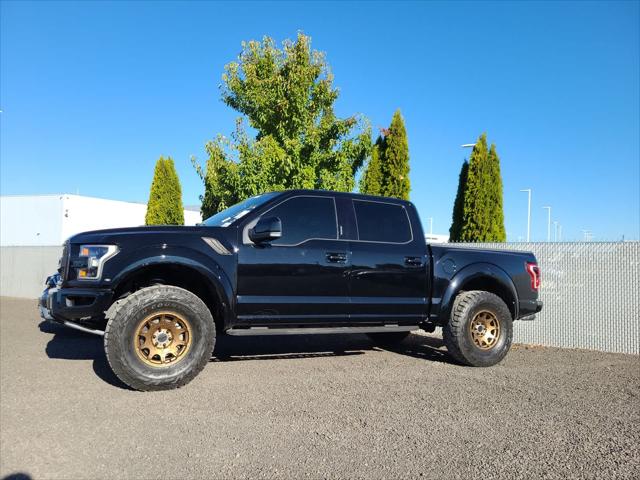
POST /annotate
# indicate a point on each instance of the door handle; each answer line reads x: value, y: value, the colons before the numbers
x: 413, y: 261
x: 336, y: 257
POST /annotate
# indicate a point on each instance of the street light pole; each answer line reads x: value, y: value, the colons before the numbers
x: 560, y: 232
x: 555, y: 231
x: 430, y: 225
x: 548, y: 223
x: 528, y: 190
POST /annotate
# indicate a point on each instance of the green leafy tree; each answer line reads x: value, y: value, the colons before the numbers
x: 395, y: 160
x: 286, y: 96
x: 371, y: 181
x: 458, y: 206
x: 218, y: 176
x: 483, y: 217
x: 165, y: 199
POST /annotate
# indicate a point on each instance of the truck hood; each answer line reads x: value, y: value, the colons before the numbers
x: 154, y: 232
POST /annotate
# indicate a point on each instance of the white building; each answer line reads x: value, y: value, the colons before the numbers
x: 433, y: 238
x: 34, y: 220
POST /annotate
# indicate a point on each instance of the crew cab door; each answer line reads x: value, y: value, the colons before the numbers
x: 389, y: 273
x: 300, y: 278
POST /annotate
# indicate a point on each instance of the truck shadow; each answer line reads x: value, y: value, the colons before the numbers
x: 67, y: 344
x: 275, y: 347
x: 279, y: 347
x: 17, y: 476
x: 425, y: 347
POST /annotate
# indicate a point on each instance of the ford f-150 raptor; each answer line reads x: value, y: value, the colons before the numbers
x: 294, y: 262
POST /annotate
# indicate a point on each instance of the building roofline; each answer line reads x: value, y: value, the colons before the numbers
x: 70, y: 195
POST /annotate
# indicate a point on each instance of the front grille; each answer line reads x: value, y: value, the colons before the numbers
x: 63, y: 265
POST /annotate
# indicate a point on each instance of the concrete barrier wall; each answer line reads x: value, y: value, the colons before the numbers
x: 23, y: 270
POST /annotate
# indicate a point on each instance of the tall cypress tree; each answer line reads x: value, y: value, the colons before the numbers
x: 395, y: 160
x: 165, y: 199
x: 497, y: 232
x: 475, y: 221
x: 483, y: 216
x: 371, y: 181
x: 455, y: 231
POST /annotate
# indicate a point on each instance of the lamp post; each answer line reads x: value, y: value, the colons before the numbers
x: 430, y: 225
x: 548, y: 223
x: 555, y: 231
x: 560, y: 233
x: 528, y: 190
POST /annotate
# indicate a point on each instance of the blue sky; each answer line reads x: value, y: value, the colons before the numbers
x: 93, y: 93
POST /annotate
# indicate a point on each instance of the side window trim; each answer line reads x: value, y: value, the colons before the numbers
x: 355, y: 220
x: 255, y: 220
x: 385, y: 203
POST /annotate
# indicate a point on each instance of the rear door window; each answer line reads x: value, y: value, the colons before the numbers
x: 382, y: 222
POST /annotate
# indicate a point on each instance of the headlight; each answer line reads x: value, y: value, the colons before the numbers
x: 96, y: 255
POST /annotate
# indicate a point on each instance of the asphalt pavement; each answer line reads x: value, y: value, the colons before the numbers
x: 326, y: 406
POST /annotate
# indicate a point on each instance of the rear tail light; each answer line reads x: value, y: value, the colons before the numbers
x: 534, y: 273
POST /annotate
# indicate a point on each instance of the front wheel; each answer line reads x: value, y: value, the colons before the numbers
x: 480, y: 330
x: 159, y: 338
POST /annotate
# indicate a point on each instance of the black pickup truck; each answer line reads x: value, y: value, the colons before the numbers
x: 295, y: 262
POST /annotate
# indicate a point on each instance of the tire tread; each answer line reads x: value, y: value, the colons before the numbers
x: 132, y: 303
x: 453, y: 331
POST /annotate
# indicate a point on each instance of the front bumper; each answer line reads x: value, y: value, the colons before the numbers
x: 73, y: 306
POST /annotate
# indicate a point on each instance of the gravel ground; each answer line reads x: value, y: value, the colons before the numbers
x: 314, y: 407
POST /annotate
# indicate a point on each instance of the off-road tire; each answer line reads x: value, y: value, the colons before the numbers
x: 457, y: 332
x: 387, y: 338
x: 124, y: 317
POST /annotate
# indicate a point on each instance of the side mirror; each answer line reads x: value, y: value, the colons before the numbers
x: 267, y: 228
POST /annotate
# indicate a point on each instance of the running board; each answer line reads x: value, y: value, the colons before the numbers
x: 319, y: 330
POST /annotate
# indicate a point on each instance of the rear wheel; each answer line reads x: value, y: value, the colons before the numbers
x: 480, y: 330
x: 159, y: 338
x: 388, y: 338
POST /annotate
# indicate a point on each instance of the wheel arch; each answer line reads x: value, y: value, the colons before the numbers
x: 212, y: 287
x: 480, y: 276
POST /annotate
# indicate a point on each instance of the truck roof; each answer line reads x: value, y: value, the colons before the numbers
x: 345, y: 195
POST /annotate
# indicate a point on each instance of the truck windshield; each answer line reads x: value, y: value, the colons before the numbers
x: 237, y: 211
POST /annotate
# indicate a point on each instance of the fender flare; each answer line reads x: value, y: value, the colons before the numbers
x: 217, y: 280
x: 472, y: 272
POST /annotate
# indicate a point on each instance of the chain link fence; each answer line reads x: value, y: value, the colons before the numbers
x: 591, y: 295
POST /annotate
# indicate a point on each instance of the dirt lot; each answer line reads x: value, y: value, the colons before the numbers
x: 314, y: 407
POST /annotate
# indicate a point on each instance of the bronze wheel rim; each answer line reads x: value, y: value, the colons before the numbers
x: 162, y: 339
x: 485, y: 330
